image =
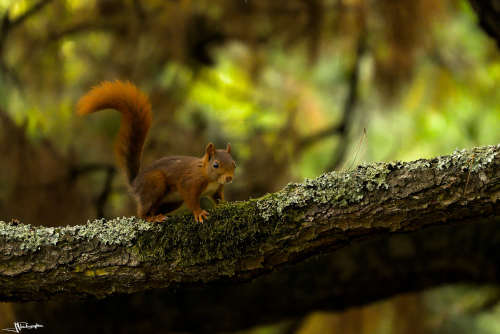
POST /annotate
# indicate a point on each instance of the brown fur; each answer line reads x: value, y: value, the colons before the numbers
x: 169, y: 181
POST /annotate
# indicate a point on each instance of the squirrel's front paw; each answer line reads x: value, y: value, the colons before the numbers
x: 200, y: 215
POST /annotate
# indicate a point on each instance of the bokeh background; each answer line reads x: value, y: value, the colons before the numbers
x: 297, y: 87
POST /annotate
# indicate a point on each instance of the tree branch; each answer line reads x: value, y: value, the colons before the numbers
x: 488, y: 12
x: 244, y: 240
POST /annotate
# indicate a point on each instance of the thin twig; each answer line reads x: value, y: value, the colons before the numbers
x: 349, y: 106
x: 30, y: 12
x: 358, y: 149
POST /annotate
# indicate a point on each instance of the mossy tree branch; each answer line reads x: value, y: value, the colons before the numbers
x: 244, y: 240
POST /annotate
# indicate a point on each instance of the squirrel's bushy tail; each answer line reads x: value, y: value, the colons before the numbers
x: 136, y: 119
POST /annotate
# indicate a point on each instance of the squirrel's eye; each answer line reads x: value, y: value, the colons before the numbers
x: 216, y: 164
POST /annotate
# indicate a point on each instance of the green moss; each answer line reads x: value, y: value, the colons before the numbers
x: 230, y: 231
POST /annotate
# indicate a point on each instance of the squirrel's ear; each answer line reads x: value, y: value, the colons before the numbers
x: 228, y: 148
x: 210, y: 150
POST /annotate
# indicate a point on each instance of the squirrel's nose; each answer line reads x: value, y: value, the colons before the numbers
x: 229, y: 179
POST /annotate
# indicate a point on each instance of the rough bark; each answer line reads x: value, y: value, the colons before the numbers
x: 488, y: 12
x: 244, y: 240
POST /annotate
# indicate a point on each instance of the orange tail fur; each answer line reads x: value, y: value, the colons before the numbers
x: 136, y: 119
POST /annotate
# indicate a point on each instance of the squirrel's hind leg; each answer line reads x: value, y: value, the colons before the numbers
x: 149, y: 190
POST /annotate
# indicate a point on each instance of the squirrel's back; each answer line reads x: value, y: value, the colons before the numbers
x: 136, y: 119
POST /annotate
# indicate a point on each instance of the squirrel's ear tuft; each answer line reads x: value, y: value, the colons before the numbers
x: 210, y: 150
x: 228, y: 148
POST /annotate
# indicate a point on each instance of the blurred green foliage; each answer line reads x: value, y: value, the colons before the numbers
x: 451, y: 101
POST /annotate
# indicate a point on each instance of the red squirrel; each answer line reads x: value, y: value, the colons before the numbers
x: 168, y: 181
